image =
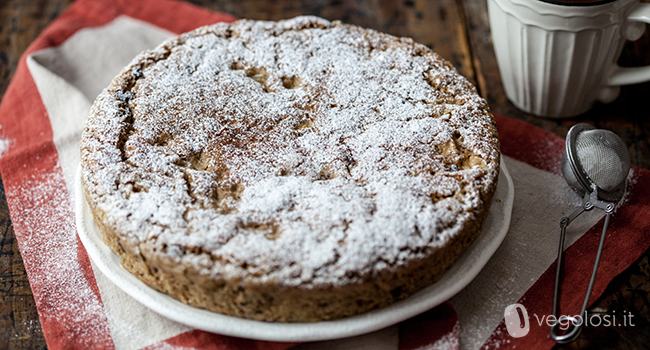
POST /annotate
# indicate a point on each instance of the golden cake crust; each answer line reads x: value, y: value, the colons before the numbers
x: 300, y: 170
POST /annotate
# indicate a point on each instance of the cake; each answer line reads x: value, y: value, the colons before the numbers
x: 292, y: 171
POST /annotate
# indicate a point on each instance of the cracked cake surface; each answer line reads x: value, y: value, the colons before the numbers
x: 297, y: 170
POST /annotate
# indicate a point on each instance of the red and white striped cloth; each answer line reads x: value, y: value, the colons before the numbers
x: 41, y: 117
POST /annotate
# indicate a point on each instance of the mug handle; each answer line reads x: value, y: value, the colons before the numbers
x: 623, y: 75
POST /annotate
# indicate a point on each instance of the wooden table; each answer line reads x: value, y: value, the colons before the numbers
x: 456, y: 29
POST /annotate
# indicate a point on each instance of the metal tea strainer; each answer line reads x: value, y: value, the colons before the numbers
x: 595, y: 164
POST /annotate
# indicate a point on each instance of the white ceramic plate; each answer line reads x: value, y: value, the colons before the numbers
x: 454, y: 280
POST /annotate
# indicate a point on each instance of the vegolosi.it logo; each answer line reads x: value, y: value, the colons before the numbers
x: 518, y: 323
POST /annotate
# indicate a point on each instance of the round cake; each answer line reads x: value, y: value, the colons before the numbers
x: 294, y: 171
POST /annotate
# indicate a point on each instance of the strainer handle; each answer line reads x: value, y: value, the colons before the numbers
x: 573, y: 332
x: 560, y: 253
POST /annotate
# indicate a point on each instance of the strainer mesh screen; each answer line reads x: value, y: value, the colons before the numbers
x: 604, y: 158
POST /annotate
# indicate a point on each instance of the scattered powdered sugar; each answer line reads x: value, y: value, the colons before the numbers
x: 631, y: 180
x: 4, y: 145
x: 302, y: 151
x: 62, y: 292
x: 446, y: 342
x: 499, y: 339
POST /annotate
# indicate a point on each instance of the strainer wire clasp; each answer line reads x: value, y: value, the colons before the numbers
x: 589, y: 202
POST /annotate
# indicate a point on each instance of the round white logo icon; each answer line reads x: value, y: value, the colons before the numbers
x: 516, y: 319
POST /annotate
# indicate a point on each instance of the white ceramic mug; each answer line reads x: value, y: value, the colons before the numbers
x: 557, y: 59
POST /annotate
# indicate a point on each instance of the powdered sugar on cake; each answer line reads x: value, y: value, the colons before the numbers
x: 304, y: 152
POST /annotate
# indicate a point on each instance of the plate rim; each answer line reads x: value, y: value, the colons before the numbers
x: 468, y: 266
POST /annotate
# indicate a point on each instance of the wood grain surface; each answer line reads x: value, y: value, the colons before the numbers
x: 456, y: 29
